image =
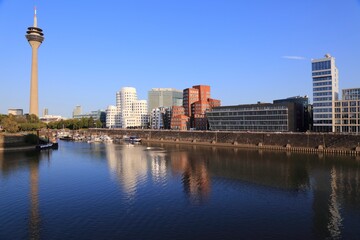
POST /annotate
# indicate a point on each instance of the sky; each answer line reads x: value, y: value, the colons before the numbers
x: 246, y: 50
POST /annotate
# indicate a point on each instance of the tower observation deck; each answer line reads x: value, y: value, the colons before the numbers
x: 35, y: 37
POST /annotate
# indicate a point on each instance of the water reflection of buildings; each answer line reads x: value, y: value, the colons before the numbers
x: 128, y: 165
x: 195, y: 175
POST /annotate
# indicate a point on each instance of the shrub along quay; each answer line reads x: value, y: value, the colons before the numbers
x: 299, y: 142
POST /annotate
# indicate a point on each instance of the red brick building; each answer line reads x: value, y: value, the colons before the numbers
x: 196, y: 101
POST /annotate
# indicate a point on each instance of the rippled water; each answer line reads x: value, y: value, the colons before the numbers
x: 108, y: 191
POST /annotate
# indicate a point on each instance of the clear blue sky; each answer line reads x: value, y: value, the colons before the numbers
x: 246, y: 50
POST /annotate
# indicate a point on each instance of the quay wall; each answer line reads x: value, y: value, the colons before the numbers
x: 11, y: 140
x: 302, y: 142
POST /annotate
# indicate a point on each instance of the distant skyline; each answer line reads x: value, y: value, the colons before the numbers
x: 247, y: 51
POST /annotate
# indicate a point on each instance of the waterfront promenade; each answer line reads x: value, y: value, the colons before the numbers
x: 300, y: 142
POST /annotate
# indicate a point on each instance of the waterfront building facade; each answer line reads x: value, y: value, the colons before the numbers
x: 325, y: 93
x: 130, y: 112
x: 112, y: 117
x: 190, y: 95
x: 302, y: 111
x: 157, y: 118
x: 196, y: 101
x: 164, y: 97
x: 179, y: 121
x: 347, y: 112
x: 261, y: 117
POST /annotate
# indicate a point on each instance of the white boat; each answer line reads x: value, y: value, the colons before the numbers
x: 132, y: 139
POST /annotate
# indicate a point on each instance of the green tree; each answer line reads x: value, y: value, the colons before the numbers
x: 9, y: 125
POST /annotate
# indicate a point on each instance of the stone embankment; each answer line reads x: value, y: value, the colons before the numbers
x: 299, y: 142
x: 15, y: 142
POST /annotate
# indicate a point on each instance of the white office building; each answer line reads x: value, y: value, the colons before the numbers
x: 129, y: 111
x: 325, y: 93
x: 157, y: 118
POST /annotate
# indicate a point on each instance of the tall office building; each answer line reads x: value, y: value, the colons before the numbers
x: 325, y: 93
x: 35, y: 37
x: 77, y: 111
x: 164, y: 97
x: 190, y: 95
x: 45, y: 112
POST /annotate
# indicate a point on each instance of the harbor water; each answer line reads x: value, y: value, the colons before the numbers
x: 160, y: 191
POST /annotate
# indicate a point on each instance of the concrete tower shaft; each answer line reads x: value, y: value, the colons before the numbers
x: 35, y: 37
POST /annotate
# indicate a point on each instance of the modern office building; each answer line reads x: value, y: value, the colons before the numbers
x: 347, y: 112
x: 157, y: 118
x: 261, y: 117
x: 302, y: 111
x: 112, y: 117
x: 190, y: 95
x: 35, y: 37
x: 130, y: 112
x: 179, y: 121
x: 325, y: 93
x: 77, y: 111
x: 96, y: 115
x: 164, y: 97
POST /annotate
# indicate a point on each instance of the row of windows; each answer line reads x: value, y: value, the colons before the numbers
x: 323, y: 99
x: 347, y: 115
x: 352, y: 122
x: 253, y: 118
x: 345, y: 104
x: 345, y: 109
x: 322, y: 94
x: 252, y: 123
x: 327, y: 83
x: 248, y: 113
x: 325, y: 104
x: 322, y: 116
x: 322, y: 89
x: 321, y: 65
x: 321, y: 73
x: 316, y: 79
x: 322, y: 122
x: 252, y: 128
x: 347, y: 129
x: 317, y: 110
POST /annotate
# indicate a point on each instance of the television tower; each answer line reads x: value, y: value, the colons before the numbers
x: 35, y: 37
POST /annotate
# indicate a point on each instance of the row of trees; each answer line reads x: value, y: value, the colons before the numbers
x: 75, y: 124
x: 12, y: 124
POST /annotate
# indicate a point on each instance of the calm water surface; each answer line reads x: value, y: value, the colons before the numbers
x: 109, y: 191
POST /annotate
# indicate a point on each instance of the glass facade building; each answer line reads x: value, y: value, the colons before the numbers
x: 164, y: 97
x: 261, y: 117
x: 325, y: 93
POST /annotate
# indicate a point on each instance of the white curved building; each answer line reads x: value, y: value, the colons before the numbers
x: 130, y: 112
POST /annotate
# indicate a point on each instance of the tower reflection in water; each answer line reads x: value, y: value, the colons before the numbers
x: 12, y: 162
